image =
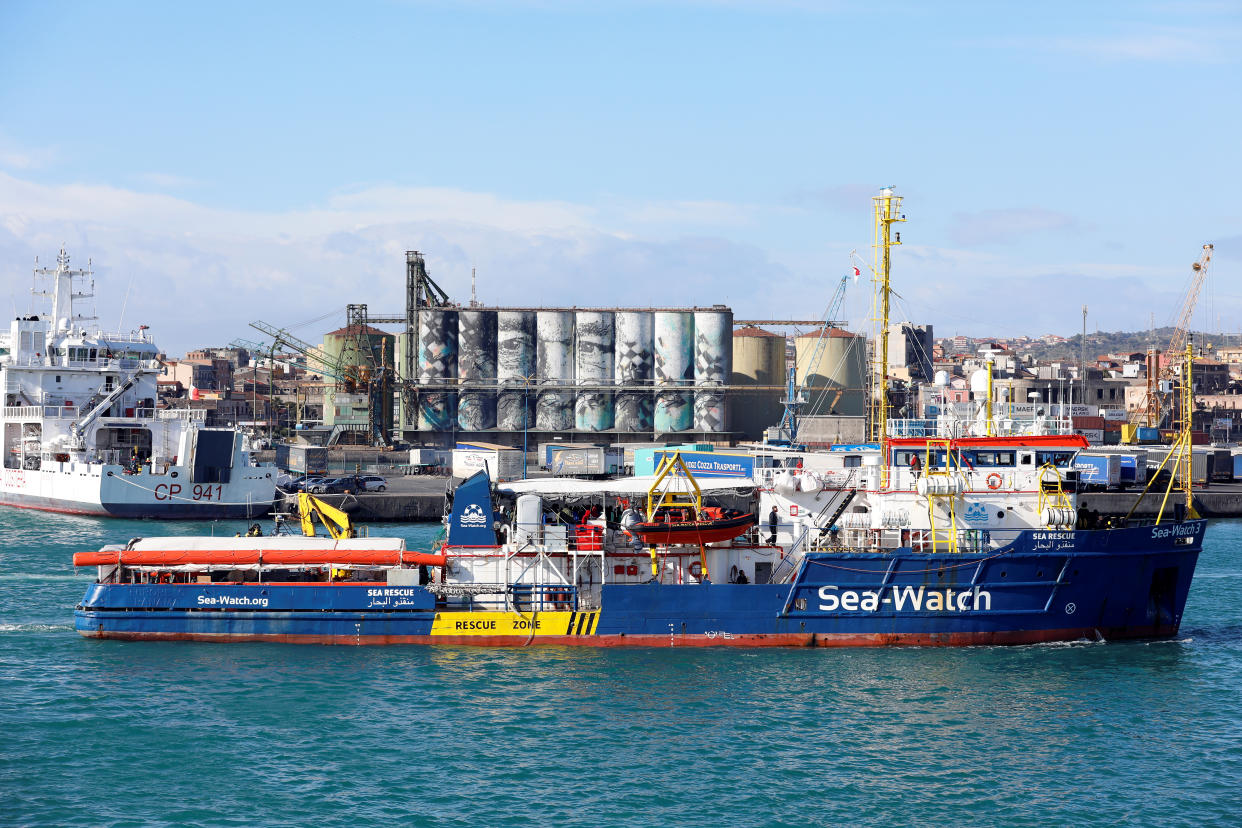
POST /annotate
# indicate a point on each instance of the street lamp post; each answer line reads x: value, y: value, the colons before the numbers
x: 525, y: 418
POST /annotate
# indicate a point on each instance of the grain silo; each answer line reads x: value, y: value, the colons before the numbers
x: 758, y: 381
x: 593, y: 361
x: 515, y: 369
x: 437, y: 369
x: 835, y: 382
x: 356, y: 351
x: 674, y: 370
x: 713, y: 357
x: 634, y: 371
x: 476, y: 369
x: 554, y: 409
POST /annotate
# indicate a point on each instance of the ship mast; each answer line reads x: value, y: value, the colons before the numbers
x: 887, y: 212
x: 62, y: 293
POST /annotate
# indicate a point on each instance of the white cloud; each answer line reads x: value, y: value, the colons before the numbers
x: 1165, y: 44
x: 201, y: 274
x: 1004, y: 226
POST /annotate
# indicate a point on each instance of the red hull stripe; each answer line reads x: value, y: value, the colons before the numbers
x: 1012, y: 637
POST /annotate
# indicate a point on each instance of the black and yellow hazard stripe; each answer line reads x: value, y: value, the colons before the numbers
x: 582, y: 623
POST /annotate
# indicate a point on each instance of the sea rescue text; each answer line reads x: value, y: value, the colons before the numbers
x: 899, y: 598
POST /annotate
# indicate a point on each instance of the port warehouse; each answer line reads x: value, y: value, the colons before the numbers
x: 512, y: 375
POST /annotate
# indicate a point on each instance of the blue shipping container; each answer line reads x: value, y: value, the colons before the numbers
x: 700, y: 463
x: 1129, y: 469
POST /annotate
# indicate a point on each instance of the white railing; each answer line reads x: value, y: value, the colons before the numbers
x: 23, y: 412
x: 951, y: 428
x: 189, y: 415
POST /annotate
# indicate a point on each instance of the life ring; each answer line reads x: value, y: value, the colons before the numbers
x: 696, y: 569
x: 994, y: 481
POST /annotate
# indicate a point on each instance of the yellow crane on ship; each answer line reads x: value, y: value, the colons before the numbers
x: 887, y: 207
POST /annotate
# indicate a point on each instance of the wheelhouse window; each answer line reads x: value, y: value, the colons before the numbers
x: 1059, y: 459
x: 990, y: 457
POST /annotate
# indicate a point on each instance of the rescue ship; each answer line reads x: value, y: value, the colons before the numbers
x: 940, y: 532
x: 950, y: 557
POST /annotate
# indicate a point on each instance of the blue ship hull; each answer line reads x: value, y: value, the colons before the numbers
x: 1046, y: 586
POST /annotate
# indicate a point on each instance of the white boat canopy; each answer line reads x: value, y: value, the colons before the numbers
x: 623, y: 486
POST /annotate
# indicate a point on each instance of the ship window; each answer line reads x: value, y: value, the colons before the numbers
x: 991, y: 458
x: 58, y: 378
x: 1059, y: 459
x: 852, y: 461
x: 93, y: 353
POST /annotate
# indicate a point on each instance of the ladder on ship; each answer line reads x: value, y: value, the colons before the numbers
x: 833, y: 509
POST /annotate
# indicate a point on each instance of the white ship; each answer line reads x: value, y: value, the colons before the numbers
x: 82, y: 433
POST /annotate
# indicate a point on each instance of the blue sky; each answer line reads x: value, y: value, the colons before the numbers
x: 233, y: 161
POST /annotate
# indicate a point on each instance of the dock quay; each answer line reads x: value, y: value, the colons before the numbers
x: 1221, y: 500
x: 412, y: 498
x: 421, y: 498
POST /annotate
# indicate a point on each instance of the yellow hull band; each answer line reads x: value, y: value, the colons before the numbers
x: 511, y: 623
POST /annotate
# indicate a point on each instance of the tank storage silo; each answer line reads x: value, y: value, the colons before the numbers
x: 554, y: 363
x: 593, y: 364
x: 713, y: 358
x: 674, y: 370
x: 354, y: 353
x: 437, y: 369
x: 835, y: 382
x: 634, y: 371
x: 758, y: 381
x: 515, y: 367
x: 476, y: 369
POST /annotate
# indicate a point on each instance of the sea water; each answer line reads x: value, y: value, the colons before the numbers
x: 134, y: 733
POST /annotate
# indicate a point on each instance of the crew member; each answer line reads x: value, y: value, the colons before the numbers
x: 916, y: 465
x: 630, y: 519
x: 772, y: 520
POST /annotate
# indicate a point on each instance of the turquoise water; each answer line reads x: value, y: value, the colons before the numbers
x: 115, y: 733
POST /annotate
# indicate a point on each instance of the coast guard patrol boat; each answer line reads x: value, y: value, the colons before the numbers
x: 82, y: 434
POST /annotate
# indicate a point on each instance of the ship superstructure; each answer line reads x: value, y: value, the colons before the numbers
x: 82, y: 432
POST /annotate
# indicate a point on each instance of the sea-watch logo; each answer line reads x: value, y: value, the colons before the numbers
x: 473, y: 515
x: 976, y: 513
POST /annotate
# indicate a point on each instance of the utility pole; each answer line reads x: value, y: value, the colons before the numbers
x: 1082, y: 357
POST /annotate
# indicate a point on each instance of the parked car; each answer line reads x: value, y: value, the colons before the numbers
x: 303, y: 483
x: 372, y: 483
x: 334, y: 485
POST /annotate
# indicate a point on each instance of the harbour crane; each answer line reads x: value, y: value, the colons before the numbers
x: 1159, y: 379
x: 795, y: 392
x: 349, y: 378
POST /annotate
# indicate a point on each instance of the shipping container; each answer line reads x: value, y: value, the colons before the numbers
x: 700, y: 463
x: 502, y: 463
x: 1132, y: 468
x: 1145, y: 434
x: 429, y: 457
x: 1237, y: 467
x: 1095, y: 436
x: 1067, y: 410
x: 302, y: 459
x: 1098, y: 471
x: 1222, y: 464
x: 1114, y: 415
x: 1088, y: 423
x: 585, y: 461
x: 1199, y: 462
